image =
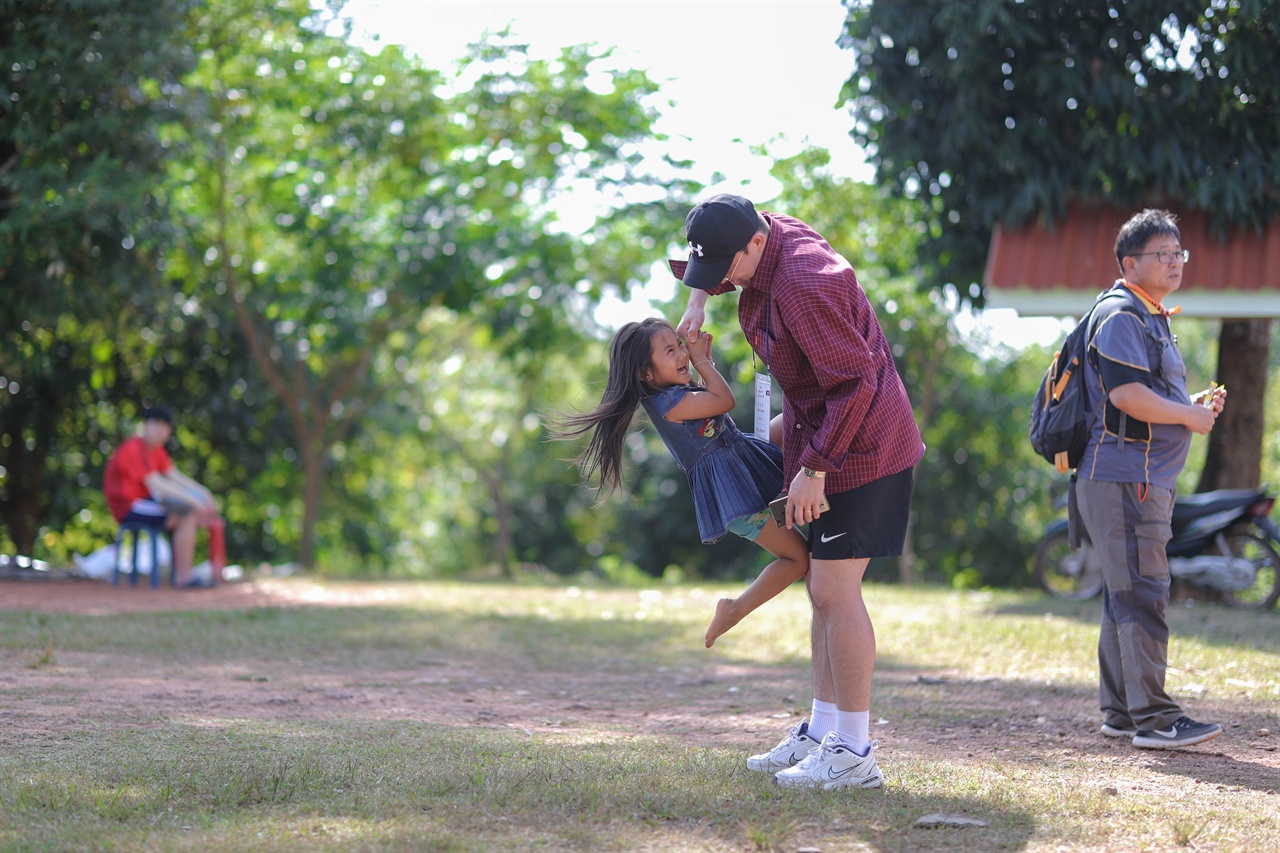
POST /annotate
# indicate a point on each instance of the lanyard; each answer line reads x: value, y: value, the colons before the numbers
x: 764, y: 382
x: 767, y: 310
x: 1167, y: 312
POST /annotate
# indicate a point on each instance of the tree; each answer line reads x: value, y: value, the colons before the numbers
x: 1234, y: 459
x: 484, y: 460
x: 85, y: 87
x: 331, y: 197
x: 999, y: 110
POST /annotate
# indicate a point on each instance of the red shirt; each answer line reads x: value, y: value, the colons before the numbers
x: 845, y: 410
x: 127, y: 469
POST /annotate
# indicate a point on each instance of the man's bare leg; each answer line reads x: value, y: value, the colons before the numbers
x: 843, y: 637
x: 824, y: 687
x: 182, y: 533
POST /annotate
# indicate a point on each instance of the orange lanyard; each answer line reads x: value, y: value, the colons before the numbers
x: 1167, y: 312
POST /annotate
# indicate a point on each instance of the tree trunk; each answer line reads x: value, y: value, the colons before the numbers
x: 31, y: 416
x: 928, y: 405
x: 313, y: 455
x: 504, y: 513
x: 503, y: 543
x: 1234, y: 460
x: 19, y: 503
x: 907, y: 561
x: 23, y: 510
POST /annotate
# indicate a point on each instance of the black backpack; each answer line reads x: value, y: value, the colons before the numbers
x: 1060, y: 416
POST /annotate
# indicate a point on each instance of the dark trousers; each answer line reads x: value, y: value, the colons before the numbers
x: 1129, y: 535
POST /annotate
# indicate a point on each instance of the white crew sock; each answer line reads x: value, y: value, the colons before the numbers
x: 853, y: 728
x: 822, y: 719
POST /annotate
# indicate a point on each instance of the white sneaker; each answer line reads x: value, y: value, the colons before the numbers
x: 834, y: 765
x: 791, y: 749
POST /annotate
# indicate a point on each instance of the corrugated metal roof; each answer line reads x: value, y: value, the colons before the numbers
x: 1041, y: 271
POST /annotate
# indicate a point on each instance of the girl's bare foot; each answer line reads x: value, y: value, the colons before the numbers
x: 722, y: 621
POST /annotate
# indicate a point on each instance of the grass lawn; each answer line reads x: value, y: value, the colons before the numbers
x: 474, y: 717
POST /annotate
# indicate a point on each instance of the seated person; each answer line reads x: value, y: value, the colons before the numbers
x: 141, y: 484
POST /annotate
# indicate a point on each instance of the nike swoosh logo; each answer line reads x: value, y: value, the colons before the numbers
x: 825, y: 538
x: 1172, y: 733
x: 833, y: 774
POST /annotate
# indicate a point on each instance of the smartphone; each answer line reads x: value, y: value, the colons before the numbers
x: 778, y: 506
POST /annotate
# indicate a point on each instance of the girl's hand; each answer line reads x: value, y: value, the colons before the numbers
x: 694, y: 314
x: 715, y: 397
x: 699, y: 346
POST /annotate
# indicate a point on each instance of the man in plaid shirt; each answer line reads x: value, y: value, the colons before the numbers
x: 848, y: 433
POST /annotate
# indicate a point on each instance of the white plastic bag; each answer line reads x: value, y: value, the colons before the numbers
x: 99, y: 564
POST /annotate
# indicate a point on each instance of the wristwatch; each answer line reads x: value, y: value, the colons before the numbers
x: 811, y: 474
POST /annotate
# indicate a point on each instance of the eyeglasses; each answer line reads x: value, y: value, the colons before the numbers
x: 1183, y: 255
x: 728, y: 277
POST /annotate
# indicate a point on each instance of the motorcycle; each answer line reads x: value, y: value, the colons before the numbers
x: 1223, y: 542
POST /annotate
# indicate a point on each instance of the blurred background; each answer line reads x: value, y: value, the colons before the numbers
x: 365, y: 249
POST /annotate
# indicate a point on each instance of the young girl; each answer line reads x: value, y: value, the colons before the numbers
x: 732, y: 475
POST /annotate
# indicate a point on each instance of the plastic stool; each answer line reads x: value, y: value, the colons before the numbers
x: 137, y: 528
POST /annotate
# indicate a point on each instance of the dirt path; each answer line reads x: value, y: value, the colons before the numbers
x: 100, y: 598
x: 1021, y: 718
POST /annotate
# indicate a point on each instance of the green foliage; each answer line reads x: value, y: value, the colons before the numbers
x: 84, y: 87
x: 325, y: 200
x: 339, y: 196
x: 460, y: 447
x: 998, y: 110
x: 345, y: 260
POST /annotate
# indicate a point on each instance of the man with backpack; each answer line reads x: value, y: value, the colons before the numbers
x: 1141, y: 420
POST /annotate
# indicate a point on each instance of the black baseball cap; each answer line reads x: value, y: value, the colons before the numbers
x: 717, y: 229
x: 158, y: 413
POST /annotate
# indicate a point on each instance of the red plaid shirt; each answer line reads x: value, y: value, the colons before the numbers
x: 845, y: 410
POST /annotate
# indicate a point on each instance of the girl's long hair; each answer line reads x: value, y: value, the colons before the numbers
x: 630, y: 356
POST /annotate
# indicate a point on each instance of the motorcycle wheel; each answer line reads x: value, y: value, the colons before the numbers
x: 1265, y: 589
x: 1064, y: 573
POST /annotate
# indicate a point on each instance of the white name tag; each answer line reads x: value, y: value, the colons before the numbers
x: 764, y: 389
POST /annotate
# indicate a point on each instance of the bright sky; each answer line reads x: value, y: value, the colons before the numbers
x: 739, y: 74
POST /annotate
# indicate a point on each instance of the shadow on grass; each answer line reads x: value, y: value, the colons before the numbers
x: 1204, y: 765
x: 623, y: 656
x: 614, y: 783
x: 386, y: 635
x: 484, y: 788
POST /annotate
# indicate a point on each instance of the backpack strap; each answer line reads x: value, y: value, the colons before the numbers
x: 1091, y: 332
x: 1154, y: 333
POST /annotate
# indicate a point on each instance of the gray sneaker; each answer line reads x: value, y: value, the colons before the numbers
x: 1183, y: 732
x: 1118, y: 731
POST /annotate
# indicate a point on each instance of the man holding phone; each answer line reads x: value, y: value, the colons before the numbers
x: 849, y: 437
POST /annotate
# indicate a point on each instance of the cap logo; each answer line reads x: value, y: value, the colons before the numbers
x: 696, y: 248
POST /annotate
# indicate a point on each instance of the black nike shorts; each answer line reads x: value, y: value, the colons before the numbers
x: 869, y: 521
